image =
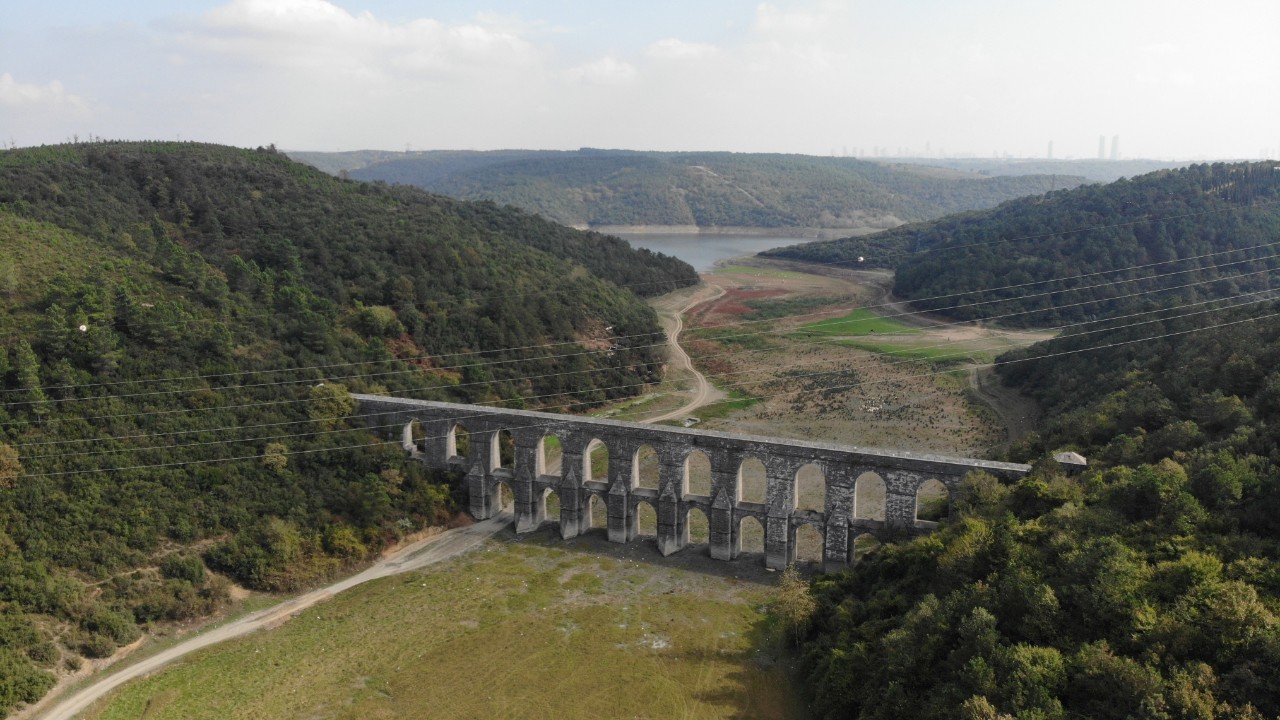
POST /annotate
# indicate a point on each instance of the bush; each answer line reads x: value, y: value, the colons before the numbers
x: 183, y: 567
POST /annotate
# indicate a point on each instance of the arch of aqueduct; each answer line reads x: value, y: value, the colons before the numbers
x: 531, y: 480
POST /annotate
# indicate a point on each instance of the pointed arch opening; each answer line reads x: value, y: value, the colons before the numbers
x: 646, y: 520
x: 549, y: 456
x: 933, y: 502
x: 503, y: 455
x: 459, y: 442
x: 863, y: 545
x: 697, y: 474
x: 808, y: 544
x: 696, y: 527
x: 753, y: 482
x: 868, y: 497
x: 414, y: 437
x: 597, y: 513
x: 750, y: 535
x: 645, y: 468
x: 503, y: 498
x: 549, y: 513
x: 595, y: 462
x: 811, y: 488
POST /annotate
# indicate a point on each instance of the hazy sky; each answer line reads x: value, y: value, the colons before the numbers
x: 1171, y: 78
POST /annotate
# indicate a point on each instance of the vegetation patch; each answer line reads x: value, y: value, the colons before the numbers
x: 495, y: 633
x: 856, y: 323
x: 753, y: 337
x: 738, y: 400
x: 761, y: 272
x: 789, y: 306
x: 937, y: 355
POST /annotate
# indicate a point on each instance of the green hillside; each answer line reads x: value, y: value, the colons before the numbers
x: 1060, y: 258
x: 179, y: 325
x: 1145, y: 588
x: 617, y: 187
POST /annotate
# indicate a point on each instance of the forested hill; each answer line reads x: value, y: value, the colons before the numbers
x: 1179, y: 235
x: 179, y: 324
x: 712, y: 189
x: 1146, y: 587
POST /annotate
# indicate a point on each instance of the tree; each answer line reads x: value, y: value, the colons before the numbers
x: 794, y: 604
x: 8, y: 278
x: 10, y: 466
x: 27, y: 368
x: 330, y: 402
x: 276, y: 456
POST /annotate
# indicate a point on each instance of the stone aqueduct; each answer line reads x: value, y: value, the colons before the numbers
x: 530, y: 483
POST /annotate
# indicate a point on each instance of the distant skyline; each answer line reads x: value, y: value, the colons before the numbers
x: 979, y: 78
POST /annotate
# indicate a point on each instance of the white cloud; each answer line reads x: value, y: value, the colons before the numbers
x: 790, y: 75
x: 771, y: 20
x: 16, y: 94
x: 674, y: 49
x: 607, y: 70
x: 316, y: 35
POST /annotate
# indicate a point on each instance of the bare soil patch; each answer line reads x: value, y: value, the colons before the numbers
x: 897, y: 395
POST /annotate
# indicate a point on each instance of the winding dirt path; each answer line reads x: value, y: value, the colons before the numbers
x: 411, y: 557
x: 704, y: 392
x: 1018, y: 412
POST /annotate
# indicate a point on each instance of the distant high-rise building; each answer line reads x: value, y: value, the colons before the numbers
x: 1102, y: 147
x: 1115, y: 147
x: 1050, y: 149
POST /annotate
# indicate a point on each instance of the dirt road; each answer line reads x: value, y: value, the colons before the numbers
x: 704, y: 392
x: 1018, y: 412
x: 411, y: 557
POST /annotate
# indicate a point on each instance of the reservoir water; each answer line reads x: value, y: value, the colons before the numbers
x: 703, y: 251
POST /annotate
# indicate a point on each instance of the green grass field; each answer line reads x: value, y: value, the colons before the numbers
x: 513, y: 630
x: 760, y: 272
x: 857, y: 323
x: 926, y: 353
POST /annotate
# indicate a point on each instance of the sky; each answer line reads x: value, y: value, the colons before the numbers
x: 1171, y: 79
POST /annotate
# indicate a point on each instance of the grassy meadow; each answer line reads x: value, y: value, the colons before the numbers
x: 516, y: 629
x: 856, y: 323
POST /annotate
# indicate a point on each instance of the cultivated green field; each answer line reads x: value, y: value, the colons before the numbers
x: 858, y: 322
x: 516, y: 629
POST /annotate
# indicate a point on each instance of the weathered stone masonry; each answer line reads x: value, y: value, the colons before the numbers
x: 530, y: 483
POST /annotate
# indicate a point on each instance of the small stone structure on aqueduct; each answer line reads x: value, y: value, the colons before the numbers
x: 531, y: 480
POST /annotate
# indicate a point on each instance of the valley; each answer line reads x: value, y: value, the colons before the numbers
x: 1145, y: 582
x: 680, y: 635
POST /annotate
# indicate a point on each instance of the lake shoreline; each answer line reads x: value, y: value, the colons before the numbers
x: 799, y: 233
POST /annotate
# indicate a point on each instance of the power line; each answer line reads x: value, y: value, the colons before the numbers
x: 963, y: 354
x: 901, y: 314
x: 537, y: 425
x: 1109, y: 328
x: 831, y: 263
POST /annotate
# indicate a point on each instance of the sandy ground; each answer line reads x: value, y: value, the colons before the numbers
x: 814, y: 388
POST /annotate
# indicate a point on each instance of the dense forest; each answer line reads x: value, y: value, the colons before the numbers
x: 618, y: 187
x: 180, y: 326
x: 1174, y: 236
x: 1146, y: 587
